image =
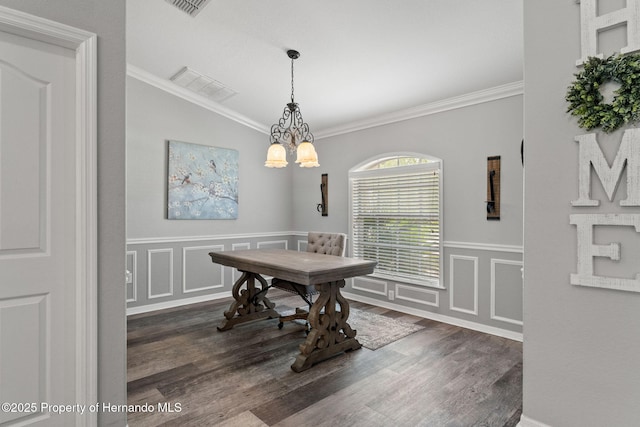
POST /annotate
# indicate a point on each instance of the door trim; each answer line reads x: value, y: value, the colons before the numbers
x: 84, y: 44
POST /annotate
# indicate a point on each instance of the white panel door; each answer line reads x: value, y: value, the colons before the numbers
x: 38, y: 191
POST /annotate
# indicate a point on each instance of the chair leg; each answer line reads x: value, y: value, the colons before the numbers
x: 310, y: 302
x: 300, y: 314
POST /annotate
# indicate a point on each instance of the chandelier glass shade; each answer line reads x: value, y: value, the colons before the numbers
x: 306, y: 155
x: 276, y: 156
x: 293, y: 133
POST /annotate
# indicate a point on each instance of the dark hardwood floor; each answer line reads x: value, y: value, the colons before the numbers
x: 442, y: 375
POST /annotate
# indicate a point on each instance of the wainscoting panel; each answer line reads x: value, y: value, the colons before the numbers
x: 480, y: 284
x: 132, y: 278
x: 480, y: 288
x: 160, y: 273
x: 506, y: 291
x: 417, y: 295
x: 463, y: 284
x: 198, y: 272
x: 240, y: 246
x: 369, y: 285
x: 274, y: 244
x: 161, y: 280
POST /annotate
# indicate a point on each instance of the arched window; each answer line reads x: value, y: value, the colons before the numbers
x: 395, y: 216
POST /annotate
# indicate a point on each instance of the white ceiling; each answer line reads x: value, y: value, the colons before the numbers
x: 359, y: 59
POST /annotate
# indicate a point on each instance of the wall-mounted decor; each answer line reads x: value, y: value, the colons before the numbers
x: 587, y: 102
x: 324, y: 194
x: 592, y: 161
x: 493, y: 187
x: 203, y: 182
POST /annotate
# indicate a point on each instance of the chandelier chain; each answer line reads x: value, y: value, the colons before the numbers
x: 292, y: 59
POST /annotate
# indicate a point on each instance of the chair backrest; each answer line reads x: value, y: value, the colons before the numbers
x: 327, y: 243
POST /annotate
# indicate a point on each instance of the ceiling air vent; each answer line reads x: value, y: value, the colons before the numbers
x: 202, y: 85
x: 190, y: 7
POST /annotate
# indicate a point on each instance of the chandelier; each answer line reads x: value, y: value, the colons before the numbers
x: 293, y: 133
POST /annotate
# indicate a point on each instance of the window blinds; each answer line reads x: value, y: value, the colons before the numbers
x: 396, y: 220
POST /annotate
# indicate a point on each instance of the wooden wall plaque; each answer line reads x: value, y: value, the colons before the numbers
x: 493, y: 188
x: 324, y: 192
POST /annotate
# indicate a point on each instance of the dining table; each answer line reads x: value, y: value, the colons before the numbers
x: 330, y: 333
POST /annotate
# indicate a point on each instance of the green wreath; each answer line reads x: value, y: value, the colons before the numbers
x: 586, y: 101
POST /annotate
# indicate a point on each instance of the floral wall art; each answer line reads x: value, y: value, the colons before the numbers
x: 203, y: 182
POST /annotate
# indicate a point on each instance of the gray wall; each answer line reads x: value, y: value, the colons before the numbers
x: 463, y: 138
x: 155, y: 116
x: 581, y: 344
x: 481, y: 258
x: 107, y: 20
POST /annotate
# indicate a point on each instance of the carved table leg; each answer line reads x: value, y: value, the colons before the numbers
x: 248, y: 304
x: 330, y: 333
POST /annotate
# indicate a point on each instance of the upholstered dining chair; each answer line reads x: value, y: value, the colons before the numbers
x: 323, y: 243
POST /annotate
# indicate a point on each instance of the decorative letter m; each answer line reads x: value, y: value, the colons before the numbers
x: 628, y: 154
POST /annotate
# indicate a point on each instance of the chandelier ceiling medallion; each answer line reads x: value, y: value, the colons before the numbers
x: 293, y: 133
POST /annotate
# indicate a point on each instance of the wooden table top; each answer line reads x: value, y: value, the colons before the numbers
x: 301, y: 267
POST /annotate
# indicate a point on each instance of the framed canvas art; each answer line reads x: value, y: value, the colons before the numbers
x: 203, y: 182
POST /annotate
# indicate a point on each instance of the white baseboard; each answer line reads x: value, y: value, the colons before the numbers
x: 529, y: 422
x: 516, y: 336
x: 176, y: 303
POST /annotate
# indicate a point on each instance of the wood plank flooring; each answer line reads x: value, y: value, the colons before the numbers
x: 442, y: 375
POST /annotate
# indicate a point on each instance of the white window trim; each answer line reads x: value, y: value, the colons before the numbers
x: 359, y: 170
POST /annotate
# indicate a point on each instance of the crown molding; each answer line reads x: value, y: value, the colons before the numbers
x: 473, y: 98
x: 187, y: 95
